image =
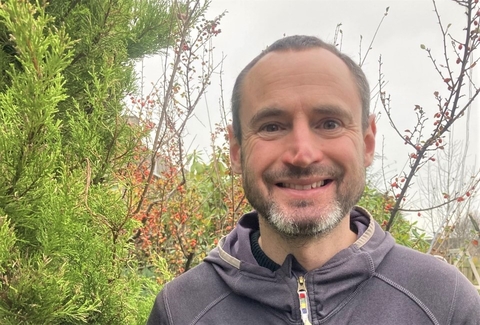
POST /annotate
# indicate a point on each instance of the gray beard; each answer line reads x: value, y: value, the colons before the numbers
x: 295, y: 226
x: 318, y: 228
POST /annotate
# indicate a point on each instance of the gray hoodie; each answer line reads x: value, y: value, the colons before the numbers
x: 374, y: 281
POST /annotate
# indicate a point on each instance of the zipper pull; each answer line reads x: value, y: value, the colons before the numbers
x: 303, y: 298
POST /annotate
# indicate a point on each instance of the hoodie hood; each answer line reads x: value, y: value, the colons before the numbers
x: 330, y: 286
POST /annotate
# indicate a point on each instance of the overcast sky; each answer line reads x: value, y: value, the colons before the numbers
x: 251, y: 25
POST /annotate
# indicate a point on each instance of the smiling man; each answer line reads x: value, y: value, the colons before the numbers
x: 302, y: 137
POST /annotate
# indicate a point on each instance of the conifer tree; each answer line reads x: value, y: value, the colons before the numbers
x: 65, y: 69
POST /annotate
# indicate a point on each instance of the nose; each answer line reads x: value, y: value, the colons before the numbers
x: 303, y: 147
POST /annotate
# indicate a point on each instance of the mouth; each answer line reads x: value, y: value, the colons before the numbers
x: 305, y: 187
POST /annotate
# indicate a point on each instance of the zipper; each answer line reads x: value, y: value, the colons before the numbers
x: 303, y: 299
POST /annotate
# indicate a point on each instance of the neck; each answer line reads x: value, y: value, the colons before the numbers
x: 311, y: 253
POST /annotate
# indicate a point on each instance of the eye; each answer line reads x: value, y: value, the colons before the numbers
x: 330, y: 124
x: 270, y: 128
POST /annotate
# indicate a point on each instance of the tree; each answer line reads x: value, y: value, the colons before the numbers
x: 189, y: 203
x: 429, y: 133
x: 66, y: 255
x: 450, y: 175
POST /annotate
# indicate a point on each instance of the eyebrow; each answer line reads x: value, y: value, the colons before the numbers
x: 335, y: 111
x: 264, y: 113
x: 326, y: 110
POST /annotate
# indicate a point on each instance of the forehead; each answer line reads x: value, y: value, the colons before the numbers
x: 311, y: 77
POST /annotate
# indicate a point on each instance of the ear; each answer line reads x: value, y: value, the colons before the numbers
x: 369, y: 140
x: 235, y: 151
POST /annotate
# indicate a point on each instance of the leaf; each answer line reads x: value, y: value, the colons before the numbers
x: 474, y: 223
x: 422, y: 46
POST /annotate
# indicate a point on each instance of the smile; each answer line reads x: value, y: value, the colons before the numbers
x: 304, y: 187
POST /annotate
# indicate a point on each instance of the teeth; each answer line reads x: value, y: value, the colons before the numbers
x: 304, y: 187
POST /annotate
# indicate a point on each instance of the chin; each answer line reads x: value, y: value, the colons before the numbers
x: 293, y: 224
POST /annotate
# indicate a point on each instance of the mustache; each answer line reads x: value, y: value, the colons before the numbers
x: 295, y: 172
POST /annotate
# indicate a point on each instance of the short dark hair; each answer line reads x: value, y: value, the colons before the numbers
x: 298, y: 43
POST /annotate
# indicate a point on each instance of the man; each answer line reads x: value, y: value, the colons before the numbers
x: 301, y: 137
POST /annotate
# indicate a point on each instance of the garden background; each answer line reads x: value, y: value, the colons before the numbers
x: 103, y: 195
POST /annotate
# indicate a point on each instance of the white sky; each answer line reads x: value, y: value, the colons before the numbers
x: 251, y: 25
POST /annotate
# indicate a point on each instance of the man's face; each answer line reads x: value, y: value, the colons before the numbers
x: 303, y: 153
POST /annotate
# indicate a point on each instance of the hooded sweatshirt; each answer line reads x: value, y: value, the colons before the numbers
x: 374, y: 281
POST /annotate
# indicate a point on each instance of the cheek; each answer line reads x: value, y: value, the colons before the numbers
x: 350, y: 152
x: 251, y: 160
x: 257, y: 156
x: 251, y: 149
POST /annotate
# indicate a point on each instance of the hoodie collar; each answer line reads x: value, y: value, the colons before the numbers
x: 333, y: 283
x: 236, y: 247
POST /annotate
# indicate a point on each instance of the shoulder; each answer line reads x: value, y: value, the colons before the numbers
x: 202, y: 279
x: 433, y: 284
x: 188, y: 296
x: 411, y: 267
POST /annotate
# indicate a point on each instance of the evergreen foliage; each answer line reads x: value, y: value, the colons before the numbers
x: 65, y: 69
